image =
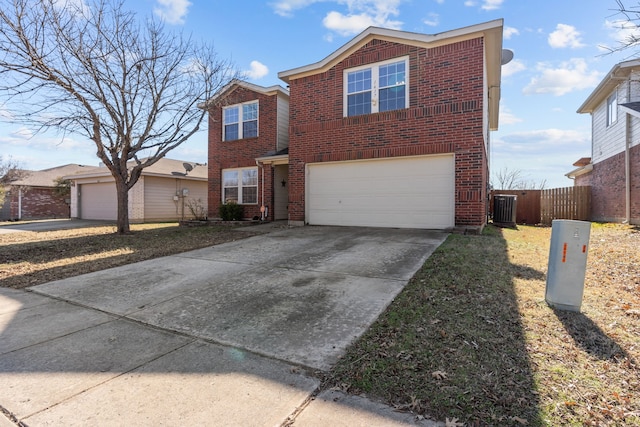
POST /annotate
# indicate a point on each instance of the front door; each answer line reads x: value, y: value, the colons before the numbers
x: 281, y: 192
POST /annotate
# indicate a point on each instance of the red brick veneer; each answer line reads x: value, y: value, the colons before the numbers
x: 37, y: 203
x: 608, y: 188
x: 243, y: 152
x: 445, y: 115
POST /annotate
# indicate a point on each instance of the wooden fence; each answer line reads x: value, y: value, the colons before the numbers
x: 527, y: 204
x: 565, y: 203
x: 543, y: 206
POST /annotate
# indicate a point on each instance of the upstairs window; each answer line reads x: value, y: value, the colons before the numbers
x: 612, y: 108
x: 240, y: 121
x: 376, y: 88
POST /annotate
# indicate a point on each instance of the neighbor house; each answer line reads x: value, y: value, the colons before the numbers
x: 38, y: 195
x: 390, y: 130
x: 169, y: 190
x: 614, y: 168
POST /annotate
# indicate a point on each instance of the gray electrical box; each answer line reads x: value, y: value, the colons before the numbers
x: 567, y: 263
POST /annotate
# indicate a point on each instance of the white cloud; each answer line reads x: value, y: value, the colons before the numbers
x: 362, y: 14
x: 287, y: 7
x: 172, y: 11
x: 346, y: 25
x: 23, y: 137
x: 359, y: 14
x: 528, y: 152
x: 491, y: 4
x: 432, y: 20
x: 507, y: 117
x: 565, y: 36
x: 5, y: 114
x: 513, y: 67
x: 622, y: 32
x: 569, y: 76
x: 510, y: 31
x: 486, y: 4
x: 22, y: 133
x: 73, y: 7
x: 541, y: 140
x: 257, y: 71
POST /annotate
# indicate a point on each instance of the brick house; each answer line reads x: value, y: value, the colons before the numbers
x: 36, y: 197
x: 248, y: 141
x: 390, y: 130
x: 614, y: 167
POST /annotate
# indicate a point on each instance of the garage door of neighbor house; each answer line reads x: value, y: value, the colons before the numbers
x: 404, y: 192
x: 98, y: 201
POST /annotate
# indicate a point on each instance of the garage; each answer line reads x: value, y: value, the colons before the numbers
x: 402, y: 192
x: 98, y: 201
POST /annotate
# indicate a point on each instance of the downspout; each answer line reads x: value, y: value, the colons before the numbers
x: 262, y: 208
x: 20, y: 203
x: 627, y: 159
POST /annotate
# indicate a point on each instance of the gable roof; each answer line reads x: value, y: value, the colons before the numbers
x: 613, y: 78
x: 491, y: 31
x: 235, y: 83
x: 168, y: 168
x: 47, y: 177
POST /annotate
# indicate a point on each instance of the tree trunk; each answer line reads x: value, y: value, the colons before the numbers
x: 123, y: 207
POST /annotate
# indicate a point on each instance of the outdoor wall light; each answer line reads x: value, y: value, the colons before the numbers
x: 284, y: 182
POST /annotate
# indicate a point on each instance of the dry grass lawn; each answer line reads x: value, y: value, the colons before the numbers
x: 33, y: 258
x: 470, y: 339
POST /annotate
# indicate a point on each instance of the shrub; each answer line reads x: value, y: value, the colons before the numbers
x: 198, y: 209
x: 231, y: 211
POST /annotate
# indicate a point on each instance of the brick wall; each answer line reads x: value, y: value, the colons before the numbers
x: 242, y: 152
x: 583, y: 180
x: 608, y: 188
x: 37, y: 203
x: 445, y: 115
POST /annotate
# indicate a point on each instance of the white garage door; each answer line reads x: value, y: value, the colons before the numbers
x: 98, y: 201
x: 404, y: 192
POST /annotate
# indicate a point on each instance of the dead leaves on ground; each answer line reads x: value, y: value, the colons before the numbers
x: 474, y: 342
x: 439, y: 375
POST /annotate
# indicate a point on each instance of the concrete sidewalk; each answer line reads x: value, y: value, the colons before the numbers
x: 229, y: 335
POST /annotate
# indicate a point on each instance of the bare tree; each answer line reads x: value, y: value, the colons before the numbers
x: 10, y: 171
x: 628, y: 19
x: 94, y: 70
x: 513, y: 179
x: 506, y: 179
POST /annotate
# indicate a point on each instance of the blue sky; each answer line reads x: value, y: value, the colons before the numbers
x: 559, y: 59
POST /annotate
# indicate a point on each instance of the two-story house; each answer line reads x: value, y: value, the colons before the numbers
x: 390, y: 130
x: 614, y: 168
x: 247, y: 149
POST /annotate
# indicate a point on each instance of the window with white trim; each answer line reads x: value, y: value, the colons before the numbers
x: 240, y: 186
x: 240, y: 121
x: 375, y: 88
x: 612, y: 108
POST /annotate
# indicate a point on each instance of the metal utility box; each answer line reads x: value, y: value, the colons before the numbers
x: 504, y: 209
x: 567, y: 263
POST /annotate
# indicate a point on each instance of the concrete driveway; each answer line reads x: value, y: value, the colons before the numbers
x: 231, y: 333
